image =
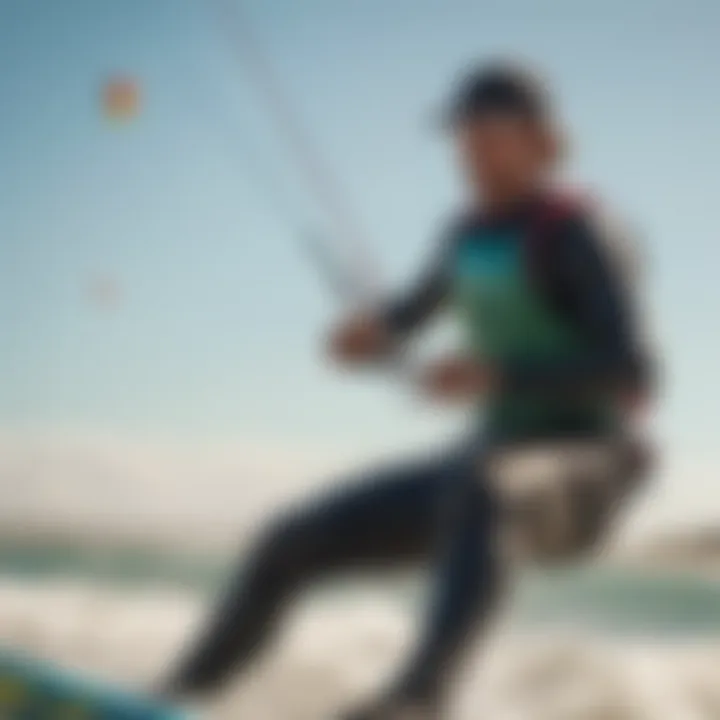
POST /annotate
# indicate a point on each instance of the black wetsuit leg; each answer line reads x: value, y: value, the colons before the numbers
x: 394, y: 517
x: 467, y: 586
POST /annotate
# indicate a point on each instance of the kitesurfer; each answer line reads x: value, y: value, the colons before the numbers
x: 554, y: 358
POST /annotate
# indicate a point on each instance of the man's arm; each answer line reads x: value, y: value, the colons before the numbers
x: 375, y: 336
x: 588, y: 285
x: 409, y: 311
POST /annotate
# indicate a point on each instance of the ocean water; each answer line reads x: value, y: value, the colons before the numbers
x: 612, y: 598
x: 596, y: 642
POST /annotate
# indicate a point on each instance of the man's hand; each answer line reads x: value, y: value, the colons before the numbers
x: 360, y: 339
x: 457, y: 379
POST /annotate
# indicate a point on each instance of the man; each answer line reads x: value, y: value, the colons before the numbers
x: 553, y: 358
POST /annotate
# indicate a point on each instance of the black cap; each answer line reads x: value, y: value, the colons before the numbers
x: 498, y: 88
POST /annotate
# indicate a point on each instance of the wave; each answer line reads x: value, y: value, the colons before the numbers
x: 335, y: 652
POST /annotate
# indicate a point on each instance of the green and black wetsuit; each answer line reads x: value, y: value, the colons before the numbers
x: 540, y: 298
x: 544, y: 296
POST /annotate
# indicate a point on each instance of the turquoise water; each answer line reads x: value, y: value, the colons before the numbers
x: 124, y: 566
x: 625, y: 601
x: 614, y: 599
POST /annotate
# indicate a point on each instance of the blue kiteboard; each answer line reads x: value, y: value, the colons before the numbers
x: 32, y: 690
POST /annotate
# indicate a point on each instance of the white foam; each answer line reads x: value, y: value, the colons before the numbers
x: 333, y: 653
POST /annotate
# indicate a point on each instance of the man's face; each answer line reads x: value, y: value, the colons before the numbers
x: 501, y: 155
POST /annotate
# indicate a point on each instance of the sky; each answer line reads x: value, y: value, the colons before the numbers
x: 217, y: 329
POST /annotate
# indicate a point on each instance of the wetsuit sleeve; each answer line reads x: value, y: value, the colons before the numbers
x: 411, y: 309
x: 592, y: 291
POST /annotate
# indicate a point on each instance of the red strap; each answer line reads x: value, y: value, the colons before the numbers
x: 552, y: 211
x: 558, y: 207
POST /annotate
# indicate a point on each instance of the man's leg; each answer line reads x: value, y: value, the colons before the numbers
x: 385, y: 518
x: 468, y: 584
x: 470, y: 571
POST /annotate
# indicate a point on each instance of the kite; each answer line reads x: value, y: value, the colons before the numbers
x: 121, y: 99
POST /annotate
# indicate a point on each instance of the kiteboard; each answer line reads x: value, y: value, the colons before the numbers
x: 34, y: 690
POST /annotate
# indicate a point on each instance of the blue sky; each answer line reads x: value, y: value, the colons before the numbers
x: 217, y: 333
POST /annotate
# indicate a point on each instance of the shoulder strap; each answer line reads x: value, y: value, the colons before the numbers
x: 556, y: 209
x: 551, y: 213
